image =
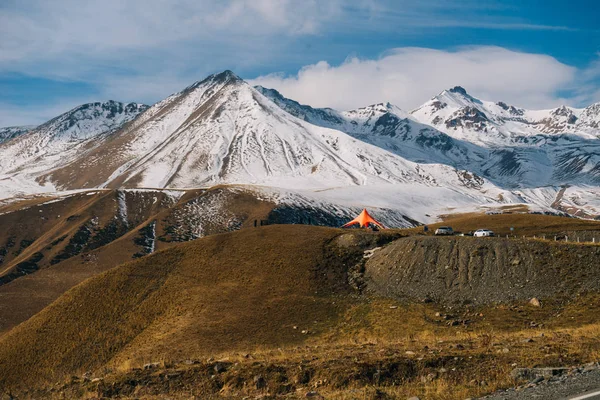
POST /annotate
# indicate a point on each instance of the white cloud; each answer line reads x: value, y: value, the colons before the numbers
x: 408, y: 77
x: 143, y: 50
x: 150, y: 47
x: 40, y: 29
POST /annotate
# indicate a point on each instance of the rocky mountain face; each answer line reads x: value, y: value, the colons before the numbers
x: 12, y: 132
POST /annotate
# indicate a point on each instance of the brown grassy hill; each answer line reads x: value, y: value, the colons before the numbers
x: 283, y: 310
x: 225, y: 292
x: 50, y: 245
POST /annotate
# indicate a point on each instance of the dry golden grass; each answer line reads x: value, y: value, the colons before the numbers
x: 49, y: 228
x: 343, y: 362
x: 223, y: 292
x: 245, y: 298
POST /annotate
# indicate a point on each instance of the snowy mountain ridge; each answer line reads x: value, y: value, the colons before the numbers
x: 66, y: 131
x: 47, y: 146
x: 459, y: 114
x: 11, y: 132
x: 221, y: 130
x: 494, y: 140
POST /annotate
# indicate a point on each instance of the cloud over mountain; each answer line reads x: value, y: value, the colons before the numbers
x: 408, y: 76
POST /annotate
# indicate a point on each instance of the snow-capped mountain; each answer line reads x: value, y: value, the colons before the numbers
x: 463, y: 116
x: 510, y: 146
x: 526, y: 148
x: 12, y: 132
x: 48, y: 146
x: 386, y: 126
x: 221, y: 130
x: 66, y: 132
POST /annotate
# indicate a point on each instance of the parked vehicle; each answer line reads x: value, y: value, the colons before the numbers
x: 444, y: 231
x: 483, y: 233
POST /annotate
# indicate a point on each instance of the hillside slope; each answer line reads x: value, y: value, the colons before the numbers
x: 288, y: 309
x: 224, y: 292
x: 51, y: 244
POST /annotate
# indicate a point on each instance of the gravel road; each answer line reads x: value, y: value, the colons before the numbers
x: 578, y: 384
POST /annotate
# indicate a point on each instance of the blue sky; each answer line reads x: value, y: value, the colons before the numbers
x: 56, y: 55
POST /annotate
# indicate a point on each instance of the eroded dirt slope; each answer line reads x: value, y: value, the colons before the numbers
x: 481, y: 270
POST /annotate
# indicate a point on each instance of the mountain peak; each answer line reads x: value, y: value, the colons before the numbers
x: 224, y: 76
x: 562, y: 111
x: 458, y: 95
x: 459, y: 89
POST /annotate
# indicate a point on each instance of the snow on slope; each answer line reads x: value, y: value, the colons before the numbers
x: 48, y: 142
x: 388, y: 127
x: 221, y: 130
x: 493, y: 140
x: 526, y: 148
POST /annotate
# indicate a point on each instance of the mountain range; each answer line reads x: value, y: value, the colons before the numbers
x: 453, y: 153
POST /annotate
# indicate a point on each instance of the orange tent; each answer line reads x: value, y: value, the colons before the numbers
x: 363, y: 220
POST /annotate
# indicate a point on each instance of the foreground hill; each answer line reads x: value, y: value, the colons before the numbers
x: 221, y: 293
x: 49, y: 244
x: 286, y: 309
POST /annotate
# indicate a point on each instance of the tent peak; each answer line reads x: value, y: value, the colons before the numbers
x: 364, y: 219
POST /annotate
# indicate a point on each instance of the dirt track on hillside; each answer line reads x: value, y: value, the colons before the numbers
x: 481, y: 270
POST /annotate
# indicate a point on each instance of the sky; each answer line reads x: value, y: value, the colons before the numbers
x: 55, y: 55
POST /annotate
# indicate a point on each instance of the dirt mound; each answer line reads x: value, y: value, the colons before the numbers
x: 481, y: 270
